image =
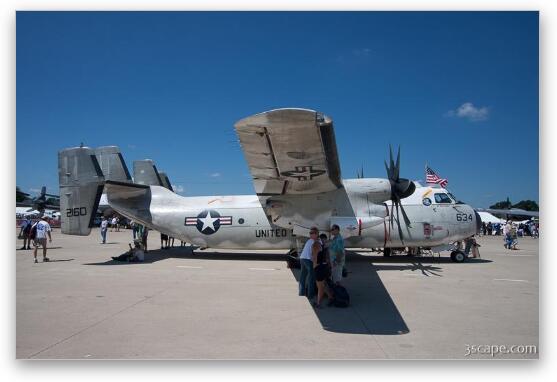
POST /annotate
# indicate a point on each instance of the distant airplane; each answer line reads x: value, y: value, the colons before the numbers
x: 41, y: 202
x: 292, y: 157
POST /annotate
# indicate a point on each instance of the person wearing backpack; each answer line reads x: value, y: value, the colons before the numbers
x: 25, y: 233
x: 40, y: 231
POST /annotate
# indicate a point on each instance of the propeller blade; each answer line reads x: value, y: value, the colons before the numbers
x: 397, y: 166
x: 398, y: 225
x: 406, y: 220
x: 392, y: 215
x: 391, y: 162
x: 388, y: 171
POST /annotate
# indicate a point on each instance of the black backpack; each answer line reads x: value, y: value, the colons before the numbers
x: 33, y: 232
x: 342, y: 298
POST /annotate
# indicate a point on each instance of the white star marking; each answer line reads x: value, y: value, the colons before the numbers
x: 208, y: 221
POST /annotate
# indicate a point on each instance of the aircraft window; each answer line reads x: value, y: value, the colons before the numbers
x: 442, y: 198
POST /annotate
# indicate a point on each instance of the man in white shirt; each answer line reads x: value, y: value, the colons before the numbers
x: 42, y: 230
x: 307, y: 275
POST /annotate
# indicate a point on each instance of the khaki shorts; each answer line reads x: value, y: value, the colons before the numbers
x: 39, y: 242
x: 336, y: 273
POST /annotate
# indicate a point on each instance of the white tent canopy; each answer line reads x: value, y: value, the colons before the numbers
x: 489, y: 218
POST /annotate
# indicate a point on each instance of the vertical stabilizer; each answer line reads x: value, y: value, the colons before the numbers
x: 145, y: 172
x: 112, y: 164
x: 81, y: 183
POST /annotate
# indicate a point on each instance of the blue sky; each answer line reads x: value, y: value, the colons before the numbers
x: 458, y: 90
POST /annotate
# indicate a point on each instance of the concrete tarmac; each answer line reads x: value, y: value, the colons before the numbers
x: 209, y: 304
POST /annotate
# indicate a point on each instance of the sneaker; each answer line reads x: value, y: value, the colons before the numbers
x: 28, y: 247
x: 46, y: 259
x: 22, y: 247
x: 36, y: 261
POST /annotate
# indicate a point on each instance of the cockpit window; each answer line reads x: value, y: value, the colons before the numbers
x: 454, y: 199
x: 442, y: 198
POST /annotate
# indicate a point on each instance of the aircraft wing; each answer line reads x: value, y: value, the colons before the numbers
x: 512, y: 211
x: 290, y: 151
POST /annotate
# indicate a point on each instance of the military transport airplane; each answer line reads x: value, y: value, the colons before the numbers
x: 292, y: 157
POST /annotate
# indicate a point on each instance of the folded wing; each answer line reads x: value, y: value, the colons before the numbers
x: 290, y: 151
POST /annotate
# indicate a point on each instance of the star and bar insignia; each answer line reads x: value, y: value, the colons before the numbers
x: 208, y: 221
x: 303, y: 173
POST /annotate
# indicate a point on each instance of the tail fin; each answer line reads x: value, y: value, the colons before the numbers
x: 165, y: 181
x: 112, y: 164
x: 145, y: 172
x: 81, y: 185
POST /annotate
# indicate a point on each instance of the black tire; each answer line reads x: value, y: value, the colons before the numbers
x: 458, y: 256
x: 292, y: 260
x: 387, y: 252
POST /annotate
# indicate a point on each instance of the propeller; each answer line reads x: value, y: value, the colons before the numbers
x: 400, y: 189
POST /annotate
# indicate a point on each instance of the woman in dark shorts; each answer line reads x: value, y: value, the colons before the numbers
x: 322, y: 272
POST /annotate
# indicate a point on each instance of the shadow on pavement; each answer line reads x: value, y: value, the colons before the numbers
x: 188, y: 252
x: 372, y: 310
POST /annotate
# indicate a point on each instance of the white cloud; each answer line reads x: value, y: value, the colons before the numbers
x: 469, y: 111
x: 363, y: 52
x: 34, y: 190
x: 178, y: 188
x: 215, y: 175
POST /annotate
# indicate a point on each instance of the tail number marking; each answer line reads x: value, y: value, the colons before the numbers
x: 77, y: 211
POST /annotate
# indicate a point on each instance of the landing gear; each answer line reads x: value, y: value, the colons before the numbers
x: 387, y: 252
x: 458, y: 256
x: 292, y: 259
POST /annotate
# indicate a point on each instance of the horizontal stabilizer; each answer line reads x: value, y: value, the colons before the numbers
x: 81, y: 183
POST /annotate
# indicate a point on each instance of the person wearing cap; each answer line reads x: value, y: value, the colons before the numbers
x: 307, y: 275
x: 43, y: 230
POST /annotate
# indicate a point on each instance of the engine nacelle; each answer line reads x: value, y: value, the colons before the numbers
x: 354, y: 225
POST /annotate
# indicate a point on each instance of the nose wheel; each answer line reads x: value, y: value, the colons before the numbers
x: 458, y: 256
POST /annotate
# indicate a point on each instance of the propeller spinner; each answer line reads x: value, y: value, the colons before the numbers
x: 400, y: 189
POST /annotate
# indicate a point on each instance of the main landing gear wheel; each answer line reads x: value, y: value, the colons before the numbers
x: 387, y: 252
x: 292, y: 259
x: 458, y: 256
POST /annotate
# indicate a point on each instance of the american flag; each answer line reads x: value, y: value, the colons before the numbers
x: 432, y: 177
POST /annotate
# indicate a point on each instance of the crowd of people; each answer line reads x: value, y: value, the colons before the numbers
x: 511, y: 231
x: 35, y: 232
x: 530, y: 228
